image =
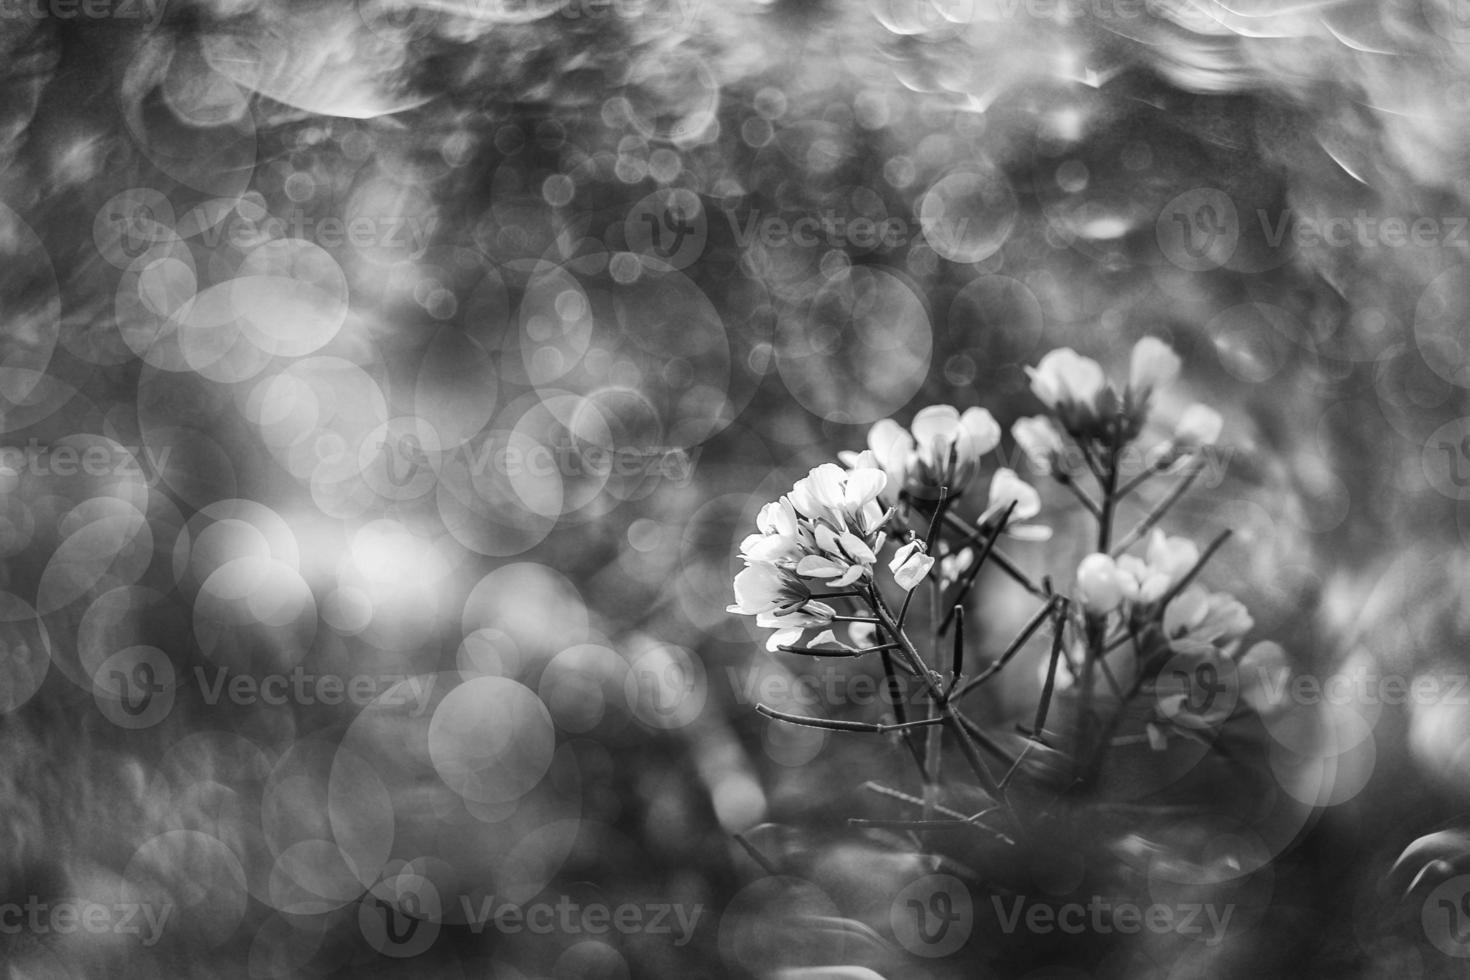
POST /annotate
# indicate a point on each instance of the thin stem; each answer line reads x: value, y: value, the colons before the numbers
x: 1091, y: 460
x: 940, y: 509
x: 1015, y: 646
x: 972, y: 754
x: 910, y: 799
x: 962, y: 588
x: 985, y: 741
x: 1194, y: 569
x: 957, y: 656
x: 900, y: 715
x: 823, y: 652
x: 906, y: 646
x: 1065, y: 479
x: 934, y: 745
x: 835, y: 725
x: 1157, y: 513
x: 1049, y: 685
x: 755, y: 855
x: 1158, y: 466
x: 928, y: 825
x: 1109, y: 481
x: 946, y: 711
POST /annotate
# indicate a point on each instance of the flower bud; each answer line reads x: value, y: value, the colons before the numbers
x: 1039, y: 440
x: 1065, y: 377
x: 1099, y: 584
x: 1153, y: 365
x: 910, y: 565
x: 1006, y: 487
x: 1200, y: 425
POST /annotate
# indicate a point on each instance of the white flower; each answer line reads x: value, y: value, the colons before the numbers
x: 841, y: 557
x: 1166, y: 560
x: 890, y: 449
x: 1101, y: 585
x: 941, y: 449
x: 941, y: 432
x: 1040, y: 440
x: 1007, y: 488
x: 1199, y: 622
x: 1199, y: 425
x: 844, y: 499
x: 777, y: 598
x: 951, y: 567
x: 1264, y: 674
x: 863, y: 634
x: 1065, y: 377
x: 1154, y: 365
x: 910, y: 565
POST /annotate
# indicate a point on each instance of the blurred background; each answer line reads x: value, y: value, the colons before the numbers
x: 385, y: 389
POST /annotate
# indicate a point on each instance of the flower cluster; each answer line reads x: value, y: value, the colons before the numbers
x: 941, y: 449
x: 828, y: 529
x: 1134, y: 603
x: 1083, y: 404
x: 1193, y: 620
